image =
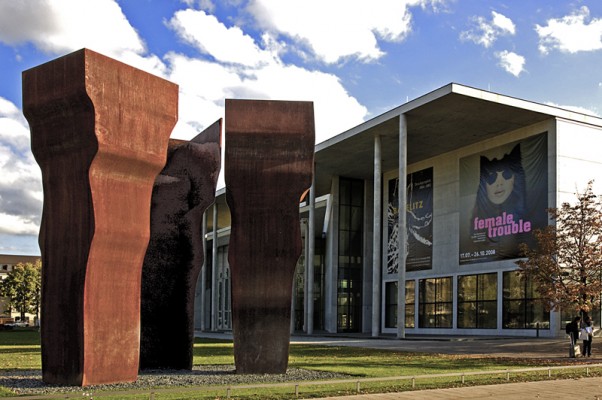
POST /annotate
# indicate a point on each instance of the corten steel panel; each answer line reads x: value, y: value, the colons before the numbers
x: 268, y: 167
x: 175, y: 254
x: 99, y: 131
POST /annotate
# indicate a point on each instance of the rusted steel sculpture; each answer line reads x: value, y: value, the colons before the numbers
x: 99, y: 131
x: 268, y: 167
x: 175, y: 254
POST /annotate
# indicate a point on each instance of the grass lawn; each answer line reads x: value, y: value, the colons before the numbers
x: 20, y: 349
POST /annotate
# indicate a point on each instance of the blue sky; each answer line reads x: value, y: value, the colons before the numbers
x: 354, y: 59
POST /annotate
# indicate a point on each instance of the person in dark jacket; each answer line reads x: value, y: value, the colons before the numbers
x: 573, y: 328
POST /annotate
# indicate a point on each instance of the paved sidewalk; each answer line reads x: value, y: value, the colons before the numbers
x: 538, y: 348
x: 582, y: 389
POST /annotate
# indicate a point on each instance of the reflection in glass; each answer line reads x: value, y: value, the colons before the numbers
x: 436, y: 303
x: 477, y: 301
x: 522, y: 307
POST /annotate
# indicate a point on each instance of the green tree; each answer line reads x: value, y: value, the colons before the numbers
x: 22, y: 288
x: 566, y: 265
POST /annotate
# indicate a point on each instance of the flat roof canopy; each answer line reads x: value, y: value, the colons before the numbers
x: 444, y: 120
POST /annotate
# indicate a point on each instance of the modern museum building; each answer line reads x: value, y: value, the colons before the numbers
x: 478, y: 171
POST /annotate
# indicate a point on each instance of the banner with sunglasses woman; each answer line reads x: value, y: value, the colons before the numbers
x: 503, y: 197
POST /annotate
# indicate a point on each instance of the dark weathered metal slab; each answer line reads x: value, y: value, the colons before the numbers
x: 182, y: 193
x: 99, y: 131
x: 268, y: 166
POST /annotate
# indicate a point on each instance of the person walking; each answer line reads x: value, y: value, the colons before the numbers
x: 587, y: 335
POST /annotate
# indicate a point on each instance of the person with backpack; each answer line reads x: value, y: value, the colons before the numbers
x: 572, y: 329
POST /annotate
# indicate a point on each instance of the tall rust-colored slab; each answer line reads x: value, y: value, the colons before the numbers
x: 99, y: 131
x: 268, y: 166
x: 181, y: 194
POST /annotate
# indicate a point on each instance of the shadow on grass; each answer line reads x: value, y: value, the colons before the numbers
x: 20, y: 337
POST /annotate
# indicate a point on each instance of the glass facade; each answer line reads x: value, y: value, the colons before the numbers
x: 477, y: 301
x: 319, y: 276
x: 567, y: 316
x: 318, y: 289
x: 435, y: 303
x: 224, y: 299
x: 391, y: 304
x: 521, y: 306
x: 350, y: 265
x: 410, y: 302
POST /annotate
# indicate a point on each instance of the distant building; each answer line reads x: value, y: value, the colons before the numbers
x: 478, y: 171
x: 7, y: 262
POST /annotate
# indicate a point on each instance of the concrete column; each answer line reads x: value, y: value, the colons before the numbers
x: 309, y: 260
x: 214, y: 290
x: 332, y: 259
x: 376, y: 239
x: 305, y: 228
x: 402, y: 233
x: 202, y: 304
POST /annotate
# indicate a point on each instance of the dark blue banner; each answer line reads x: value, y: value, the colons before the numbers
x: 419, y: 222
x: 503, y: 198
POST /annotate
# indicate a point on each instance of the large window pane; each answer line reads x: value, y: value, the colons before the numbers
x: 522, y: 308
x: 435, y: 303
x: 477, y: 301
x: 391, y: 304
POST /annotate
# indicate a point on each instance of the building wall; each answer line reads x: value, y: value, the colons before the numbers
x: 579, y: 159
x: 446, y: 211
x: 572, y: 160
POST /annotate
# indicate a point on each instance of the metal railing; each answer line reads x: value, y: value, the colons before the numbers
x: 294, y: 386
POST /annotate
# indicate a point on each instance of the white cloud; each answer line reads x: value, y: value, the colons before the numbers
x: 8, y: 109
x: 233, y: 64
x: 16, y: 225
x: 571, y: 34
x: 255, y: 71
x: 511, y: 62
x: 230, y: 64
x: 57, y: 27
x: 206, y: 33
x: 20, y: 180
x: 486, y: 32
x: 335, y: 29
x: 503, y: 23
x: 60, y: 27
x: 203, y: 88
